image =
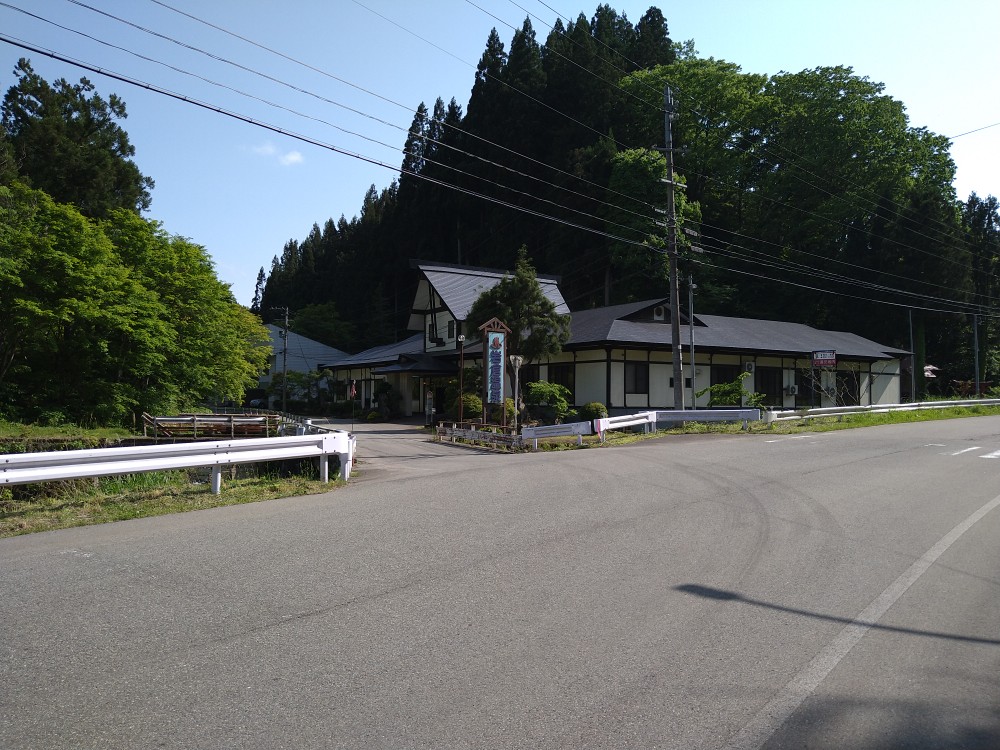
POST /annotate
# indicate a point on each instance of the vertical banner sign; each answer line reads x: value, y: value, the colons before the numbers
x: 495, y: 357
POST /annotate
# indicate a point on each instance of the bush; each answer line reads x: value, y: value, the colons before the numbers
x: 472, y: 408
x: 495, y: 416
x: 593, y: 410
x: 552, y: 395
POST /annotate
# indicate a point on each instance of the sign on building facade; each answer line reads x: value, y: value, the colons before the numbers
x: 824, y: 358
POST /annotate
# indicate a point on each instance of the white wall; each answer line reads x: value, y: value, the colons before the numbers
x: 885, y: 382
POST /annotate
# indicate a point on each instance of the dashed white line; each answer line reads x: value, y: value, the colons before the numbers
x: 994, y: 454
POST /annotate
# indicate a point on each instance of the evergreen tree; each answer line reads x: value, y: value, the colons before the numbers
x: 536, y: 329
x: 258, y: 292
x: 652, y: 45
x: 67, y: 142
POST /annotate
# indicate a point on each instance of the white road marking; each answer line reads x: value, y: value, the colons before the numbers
x: 966, y: 450
x: 994, y: 454
x: 772, y: 716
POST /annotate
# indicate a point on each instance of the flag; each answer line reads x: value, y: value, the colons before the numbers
x: 354, y: 391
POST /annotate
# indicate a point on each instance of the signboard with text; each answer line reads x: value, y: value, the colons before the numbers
x: 824, y: 358
x: 495, y: 357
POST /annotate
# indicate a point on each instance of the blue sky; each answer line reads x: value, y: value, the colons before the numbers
x: 242, y: 191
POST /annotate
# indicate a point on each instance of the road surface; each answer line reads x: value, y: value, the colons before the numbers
x: 836, y: 590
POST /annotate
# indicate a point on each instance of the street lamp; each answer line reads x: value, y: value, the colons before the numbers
x: 461, y: 375
x: 516, y: 360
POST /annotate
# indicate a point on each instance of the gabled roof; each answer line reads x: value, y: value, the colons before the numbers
x: 386, y: 353
x: 609, y: 326
x: 456, y: 288
x: 304, y: 354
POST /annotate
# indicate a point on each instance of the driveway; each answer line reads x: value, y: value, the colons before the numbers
x: 400, y: 450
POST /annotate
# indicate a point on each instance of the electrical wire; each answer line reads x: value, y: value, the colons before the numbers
x: 492, y: 182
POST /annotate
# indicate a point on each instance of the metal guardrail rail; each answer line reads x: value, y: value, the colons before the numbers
x: 27, y: 468
x: 786, y: 415
x: 556, y: 430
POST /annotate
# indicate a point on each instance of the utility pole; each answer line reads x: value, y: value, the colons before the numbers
x: 284, y: 360
x: 975, y: 349
x: 691, y: 287
x: 675, y: 307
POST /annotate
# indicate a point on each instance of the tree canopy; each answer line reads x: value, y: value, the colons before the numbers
x: 66, y: 141
x: 536, y: 329
x: 815, y: 199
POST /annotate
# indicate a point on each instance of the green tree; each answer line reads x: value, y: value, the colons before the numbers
x: 68, y: 143
x: 981, y: 222
x: 536, y: 329
x: 323, y: 323
x: 79, y: 333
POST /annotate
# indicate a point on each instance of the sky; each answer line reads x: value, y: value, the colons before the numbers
x: 348, y: 76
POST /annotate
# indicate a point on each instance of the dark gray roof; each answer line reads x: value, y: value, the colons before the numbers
x: 718, y: 333
x: 386, y: 353
x: 460, y: 286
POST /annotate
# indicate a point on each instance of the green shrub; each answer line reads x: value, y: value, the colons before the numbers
x: 593, y: 410
x: 472, y: 408
x: 495, y: 416
x: 551, y: 397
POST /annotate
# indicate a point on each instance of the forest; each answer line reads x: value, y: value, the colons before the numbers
x: 103, y: 314
x: 807, y: 197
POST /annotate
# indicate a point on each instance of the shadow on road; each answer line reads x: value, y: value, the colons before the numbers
x: 708, y: 592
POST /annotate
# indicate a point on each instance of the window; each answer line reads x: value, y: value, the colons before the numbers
x: 722, y: 374
x: 529, y: 374
x: 848, y: 388
x: 564, y: 374
x: 808, y: 384
x: 451, y: 329
x: 637, y: 377
x: 767, y: 381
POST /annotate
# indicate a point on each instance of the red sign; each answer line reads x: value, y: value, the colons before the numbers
x: 826, y: 358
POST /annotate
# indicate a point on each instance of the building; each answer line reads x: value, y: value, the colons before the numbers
x: 295, y: 354
x: 621, y: 356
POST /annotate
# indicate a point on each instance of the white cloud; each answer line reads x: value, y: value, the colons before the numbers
x: 270, y: 151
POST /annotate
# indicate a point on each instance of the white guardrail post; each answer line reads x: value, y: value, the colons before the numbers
x: 26, y: 468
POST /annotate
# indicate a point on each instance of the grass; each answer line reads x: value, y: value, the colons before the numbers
x: 62, y: 505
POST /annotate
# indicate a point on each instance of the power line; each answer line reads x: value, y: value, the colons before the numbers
x: 609, y: 235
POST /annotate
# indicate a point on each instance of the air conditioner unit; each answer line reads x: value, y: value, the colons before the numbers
x: 748, y: 366
x: 793, y: 390
x: 660, y: 312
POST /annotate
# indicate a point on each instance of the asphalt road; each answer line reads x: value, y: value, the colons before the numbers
x: 838, y: 590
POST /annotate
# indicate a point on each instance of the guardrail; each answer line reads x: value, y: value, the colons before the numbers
x: 710, y: 415
x: 556, y: 430
x: 478, y: 434
x: 843, y: 411
x: 648, y: 419
x: 26, y: 468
